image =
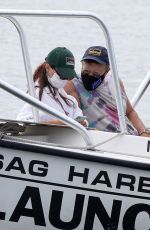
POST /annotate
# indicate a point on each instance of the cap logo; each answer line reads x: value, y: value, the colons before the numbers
x: 94, y: 52
x: 69, y: 61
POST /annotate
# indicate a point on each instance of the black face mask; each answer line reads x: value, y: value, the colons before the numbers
x: 90, y: 82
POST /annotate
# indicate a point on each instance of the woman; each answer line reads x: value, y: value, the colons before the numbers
x: 50, y: 78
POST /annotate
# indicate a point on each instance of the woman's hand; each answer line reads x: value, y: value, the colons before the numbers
x: 84, y: 123
x: 82, y: 120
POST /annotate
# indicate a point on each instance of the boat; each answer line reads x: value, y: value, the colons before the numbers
x: 67, y: 176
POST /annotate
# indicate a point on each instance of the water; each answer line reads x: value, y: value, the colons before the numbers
x: 128, y: 22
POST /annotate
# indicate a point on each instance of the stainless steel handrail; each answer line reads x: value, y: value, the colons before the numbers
x: 93, y: 16
x: 140, y: 91
x: 40, y: 105
x: 26, y: 62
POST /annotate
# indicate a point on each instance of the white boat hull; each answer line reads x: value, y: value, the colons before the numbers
x: 50, y: 191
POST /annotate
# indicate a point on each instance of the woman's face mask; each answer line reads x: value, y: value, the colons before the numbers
x: 56, y: 82
x: 90, y: 82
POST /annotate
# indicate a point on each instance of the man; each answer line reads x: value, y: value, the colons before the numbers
x: 95, y: 94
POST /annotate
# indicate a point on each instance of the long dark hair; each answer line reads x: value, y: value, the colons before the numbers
x: 40, y: 76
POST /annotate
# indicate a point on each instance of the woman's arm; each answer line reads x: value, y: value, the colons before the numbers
x: 59, y: 122
x: 55, y: 122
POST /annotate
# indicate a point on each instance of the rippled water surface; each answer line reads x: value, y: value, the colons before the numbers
x: 129, y: 25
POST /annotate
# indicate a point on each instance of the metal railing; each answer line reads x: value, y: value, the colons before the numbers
x: 94, y: 17
x: 26, y: 62
x: 140, y: 91
x: 40, y: 105
x: 71, y: 14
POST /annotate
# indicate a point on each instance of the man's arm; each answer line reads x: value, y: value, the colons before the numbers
x: 71, y: 90
x: 133, y: 116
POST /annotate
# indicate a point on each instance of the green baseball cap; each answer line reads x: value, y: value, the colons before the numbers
x: 63, y: 61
